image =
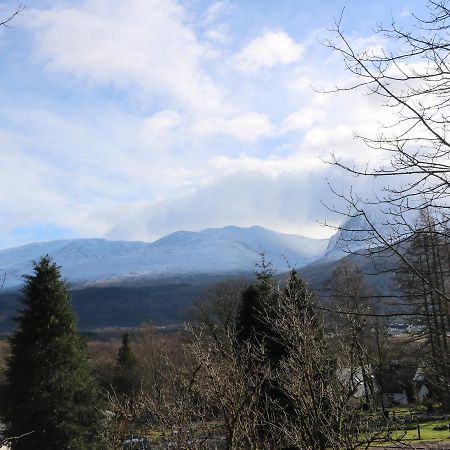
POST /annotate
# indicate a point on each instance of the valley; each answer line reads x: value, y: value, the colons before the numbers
x: 124, y: 284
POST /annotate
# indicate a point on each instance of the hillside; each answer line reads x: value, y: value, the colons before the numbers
x: 214, y: 251
x: 120, y: 283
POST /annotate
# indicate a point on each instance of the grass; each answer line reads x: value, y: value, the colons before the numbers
x: 402, y: 409
x: 413, y: 409
x: 409, y: 433
x: 428, y: 433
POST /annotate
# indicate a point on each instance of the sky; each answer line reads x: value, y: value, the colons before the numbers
x: 131, y: 119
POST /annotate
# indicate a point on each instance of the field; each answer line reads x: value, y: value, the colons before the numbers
x: 430, y: 432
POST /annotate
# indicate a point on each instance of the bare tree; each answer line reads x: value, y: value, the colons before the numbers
x: 230, y: 388
x: 6, y: 22
x: 429, y: 251
x: 218, y: 385
x: 167, y: 400
x: 354, y: 332
x: 411, y: 78
x: 218, y: 307
x: 318, y: 382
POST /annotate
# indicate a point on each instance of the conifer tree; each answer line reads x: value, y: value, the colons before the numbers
x: 252, y: 324
x: 126, y: 379
x: 285, y: 323
x: 126, y: 359
x: 51, y: 397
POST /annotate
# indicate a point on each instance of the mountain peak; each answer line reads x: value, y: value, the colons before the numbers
x: 226, y: 250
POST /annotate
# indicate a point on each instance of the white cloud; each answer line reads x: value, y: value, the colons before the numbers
x: 183, y: 140
x: 374, y: 45
x: 216, y: 10
x: 275, y: 167
x: 247, y: 127
x: 285, y: 203
x: 157, y: 130
x: 126, y: 42
x: 162, y: 121
x: 29, y: 187
x: 302, y: 119
x: 326, y: 136
x: 219, y: 34
x: 266, y: 51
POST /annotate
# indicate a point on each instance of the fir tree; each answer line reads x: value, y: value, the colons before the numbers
x: 262, y: 322
x: 254, y: 327
x: 51, y: 397
x: 126, y: 359
x: 126, y: 378
x: 252, y: 324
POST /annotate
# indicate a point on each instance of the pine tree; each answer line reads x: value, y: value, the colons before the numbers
x: 252, y: 324
x: 285, y: 323
x: 126, y: 378
x: 306, y: 358
x: 126, y: 359
x: 51, y: 397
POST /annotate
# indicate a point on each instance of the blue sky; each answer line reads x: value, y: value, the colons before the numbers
x: 132, y: 119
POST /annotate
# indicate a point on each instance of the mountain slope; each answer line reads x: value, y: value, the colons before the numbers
x: 213, y: 251
x: 356, y: 235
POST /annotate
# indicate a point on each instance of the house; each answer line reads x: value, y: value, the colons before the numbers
x: 360, y: 382
x: 395, y: 398
x: 396, y: 384
x: 422, y: 385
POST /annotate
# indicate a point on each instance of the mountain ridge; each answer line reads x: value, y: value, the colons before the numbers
x: 183, y: 264
x: 214, y: 251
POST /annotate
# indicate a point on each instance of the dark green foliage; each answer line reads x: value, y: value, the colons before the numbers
x: 312, y: 368
x: 260, y: 301
x: 126, y: 359
x: 50, y: 392
x: 293, y: 347
x: 248, y: 321
x: 126, y: 378
x: 252, y: 321
x: 160, y: 302
x: 297, y: 291
x: 410, y: 391
x: 254, y: 326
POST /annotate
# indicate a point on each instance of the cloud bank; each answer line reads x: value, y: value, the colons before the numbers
x: 132, y: 119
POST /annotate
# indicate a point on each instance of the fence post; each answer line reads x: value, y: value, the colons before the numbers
x: 418, y: 431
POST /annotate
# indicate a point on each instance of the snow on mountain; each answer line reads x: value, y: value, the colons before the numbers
x: 75, y: 256
x: 211, y: 251
x: 351, y: 236
x: 356, y: 235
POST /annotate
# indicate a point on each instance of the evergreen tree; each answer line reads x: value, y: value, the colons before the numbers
x: 126, y: 377
x: 126, y: 359
x: 285, y: 323
x: 306, y: 358
x: 252, y: 321
x: 51, y: 397
x: 254, y: 326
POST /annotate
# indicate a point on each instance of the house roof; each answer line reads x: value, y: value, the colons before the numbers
x: 395, y: 377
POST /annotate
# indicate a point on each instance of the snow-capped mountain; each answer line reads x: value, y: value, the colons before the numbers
x: 356, y: 234
x: 212, y: 251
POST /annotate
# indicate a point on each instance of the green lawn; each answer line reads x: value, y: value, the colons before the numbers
x: 427, y: 433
